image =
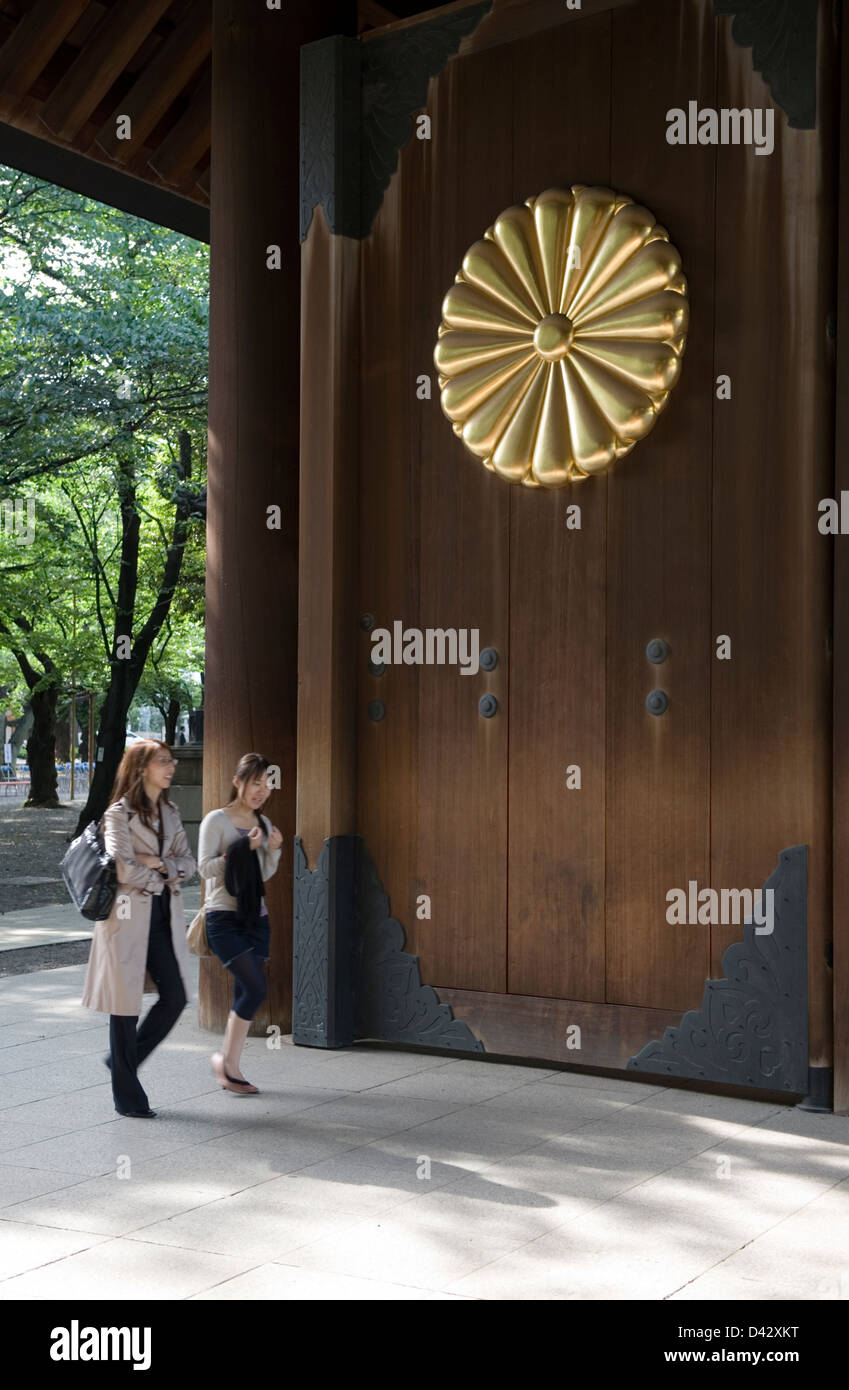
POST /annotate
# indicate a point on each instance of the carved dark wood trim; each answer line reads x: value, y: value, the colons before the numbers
x: 396, y: 72
x: 752, y: 1028
x: 352, y: 976
x: 392, y: 1002
x: 324, y: 945
x: 330, y: 134
x: 782, y: 35
x: 357, y: 106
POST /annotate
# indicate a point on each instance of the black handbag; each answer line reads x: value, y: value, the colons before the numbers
x: 90, y: 874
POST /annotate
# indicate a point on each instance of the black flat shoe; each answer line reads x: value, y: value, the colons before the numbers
x: 137, y: 1114
x: 107, y: 1061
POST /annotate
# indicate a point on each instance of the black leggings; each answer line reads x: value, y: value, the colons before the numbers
x: 250, y: 987
x: 130, y: 1047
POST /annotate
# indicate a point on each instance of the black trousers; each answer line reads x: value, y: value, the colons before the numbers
x: 130, y: 1047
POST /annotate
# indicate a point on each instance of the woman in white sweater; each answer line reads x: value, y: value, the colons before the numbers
x: 241, y: 946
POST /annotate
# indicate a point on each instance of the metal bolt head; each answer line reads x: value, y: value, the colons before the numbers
x: 376, y: 710
x: 367, y: 621
x: 489, y: 659
x: 377, y: 668
x: 657, y: 702
x: 657, y: 651
x: 487, y: 706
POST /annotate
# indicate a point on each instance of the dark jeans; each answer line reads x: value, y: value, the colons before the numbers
x: 243, y: 950
x: 129, y: 1047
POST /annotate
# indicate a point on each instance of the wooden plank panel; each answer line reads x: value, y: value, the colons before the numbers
x: 327, y: 548
x: 433, y: 796
x: 516, y: 1025
x: 464, y: 557
x: 557, y: 589
x: 659, y: 538
x: 103, y: 57
x: 162, y: 80
x: 773, y: 459
x: 507, y: 20
x: 187, y: 141
x: 32, y: 44
x: 387, y: 771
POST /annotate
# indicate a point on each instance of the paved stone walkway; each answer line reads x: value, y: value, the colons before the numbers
x: 44, y: 926
x: 374, y: 1173
x: 32, y: 844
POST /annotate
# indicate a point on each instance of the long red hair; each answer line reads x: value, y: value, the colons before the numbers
x: 129, y: 779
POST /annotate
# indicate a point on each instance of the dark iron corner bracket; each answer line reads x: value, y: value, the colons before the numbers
x: 358, y: 100
x: 352, y: 976
x: 782, y: 35
x: 752, y: 1028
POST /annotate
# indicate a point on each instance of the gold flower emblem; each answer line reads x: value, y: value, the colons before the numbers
x: 562, y: 335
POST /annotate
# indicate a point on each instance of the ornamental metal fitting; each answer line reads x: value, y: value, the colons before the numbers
x: 367, y: 621
x: 562, y: 335
x: 657, y: 651
x: 487, y: 706
x: 489, y: 658
x: 376, y: 710
x: 377, y: 668
x: 657, y: 702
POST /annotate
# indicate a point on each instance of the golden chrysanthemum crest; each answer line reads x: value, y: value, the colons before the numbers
x: 562, y: 335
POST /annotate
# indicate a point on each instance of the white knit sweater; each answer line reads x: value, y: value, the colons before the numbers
x: 217, y: 831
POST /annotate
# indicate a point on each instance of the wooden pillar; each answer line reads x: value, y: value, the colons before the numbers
x: 252, y: 571
x: 327, y: 724
x: 841, y: 617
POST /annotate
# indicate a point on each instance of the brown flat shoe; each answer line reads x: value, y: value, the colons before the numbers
x: 243, y: 1087
x: 231, y: 1083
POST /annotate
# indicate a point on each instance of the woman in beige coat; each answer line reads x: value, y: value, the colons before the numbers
x: 145, y: 933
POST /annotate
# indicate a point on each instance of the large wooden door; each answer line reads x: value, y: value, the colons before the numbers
x: 546, y: 903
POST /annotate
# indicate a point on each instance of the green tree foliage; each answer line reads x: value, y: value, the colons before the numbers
x: 103, y: 362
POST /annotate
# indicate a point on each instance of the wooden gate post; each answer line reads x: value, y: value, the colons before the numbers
x: 252, y: 568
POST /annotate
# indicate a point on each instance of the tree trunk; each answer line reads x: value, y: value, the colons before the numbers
x: 125, y: 676
x: 41, y: 749
x: 63, y: 740
x: 21, y: 733
x: 110, y: 742
x: 84, y: 753
x: 171, y: 717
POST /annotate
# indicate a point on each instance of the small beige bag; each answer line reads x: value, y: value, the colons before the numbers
x: 196, y: 937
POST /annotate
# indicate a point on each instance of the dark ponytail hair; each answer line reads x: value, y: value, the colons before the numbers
x: 251, y: 766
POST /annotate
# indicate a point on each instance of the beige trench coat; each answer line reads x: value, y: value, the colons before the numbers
x: 117, y: 975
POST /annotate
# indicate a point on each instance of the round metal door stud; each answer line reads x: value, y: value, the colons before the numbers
x: 487, y: 706
x: 376, y: 710
x: 367, y: 621
x: 657, y: 651
x: 489, y: 659
x: 377, y: 668
x: 657, y: 702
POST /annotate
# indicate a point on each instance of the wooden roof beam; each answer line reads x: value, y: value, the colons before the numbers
x: 102, y: 59
x: 162, y: 80
x: 188, y: 140
x: 31, y: 45
x: 371, y: 12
